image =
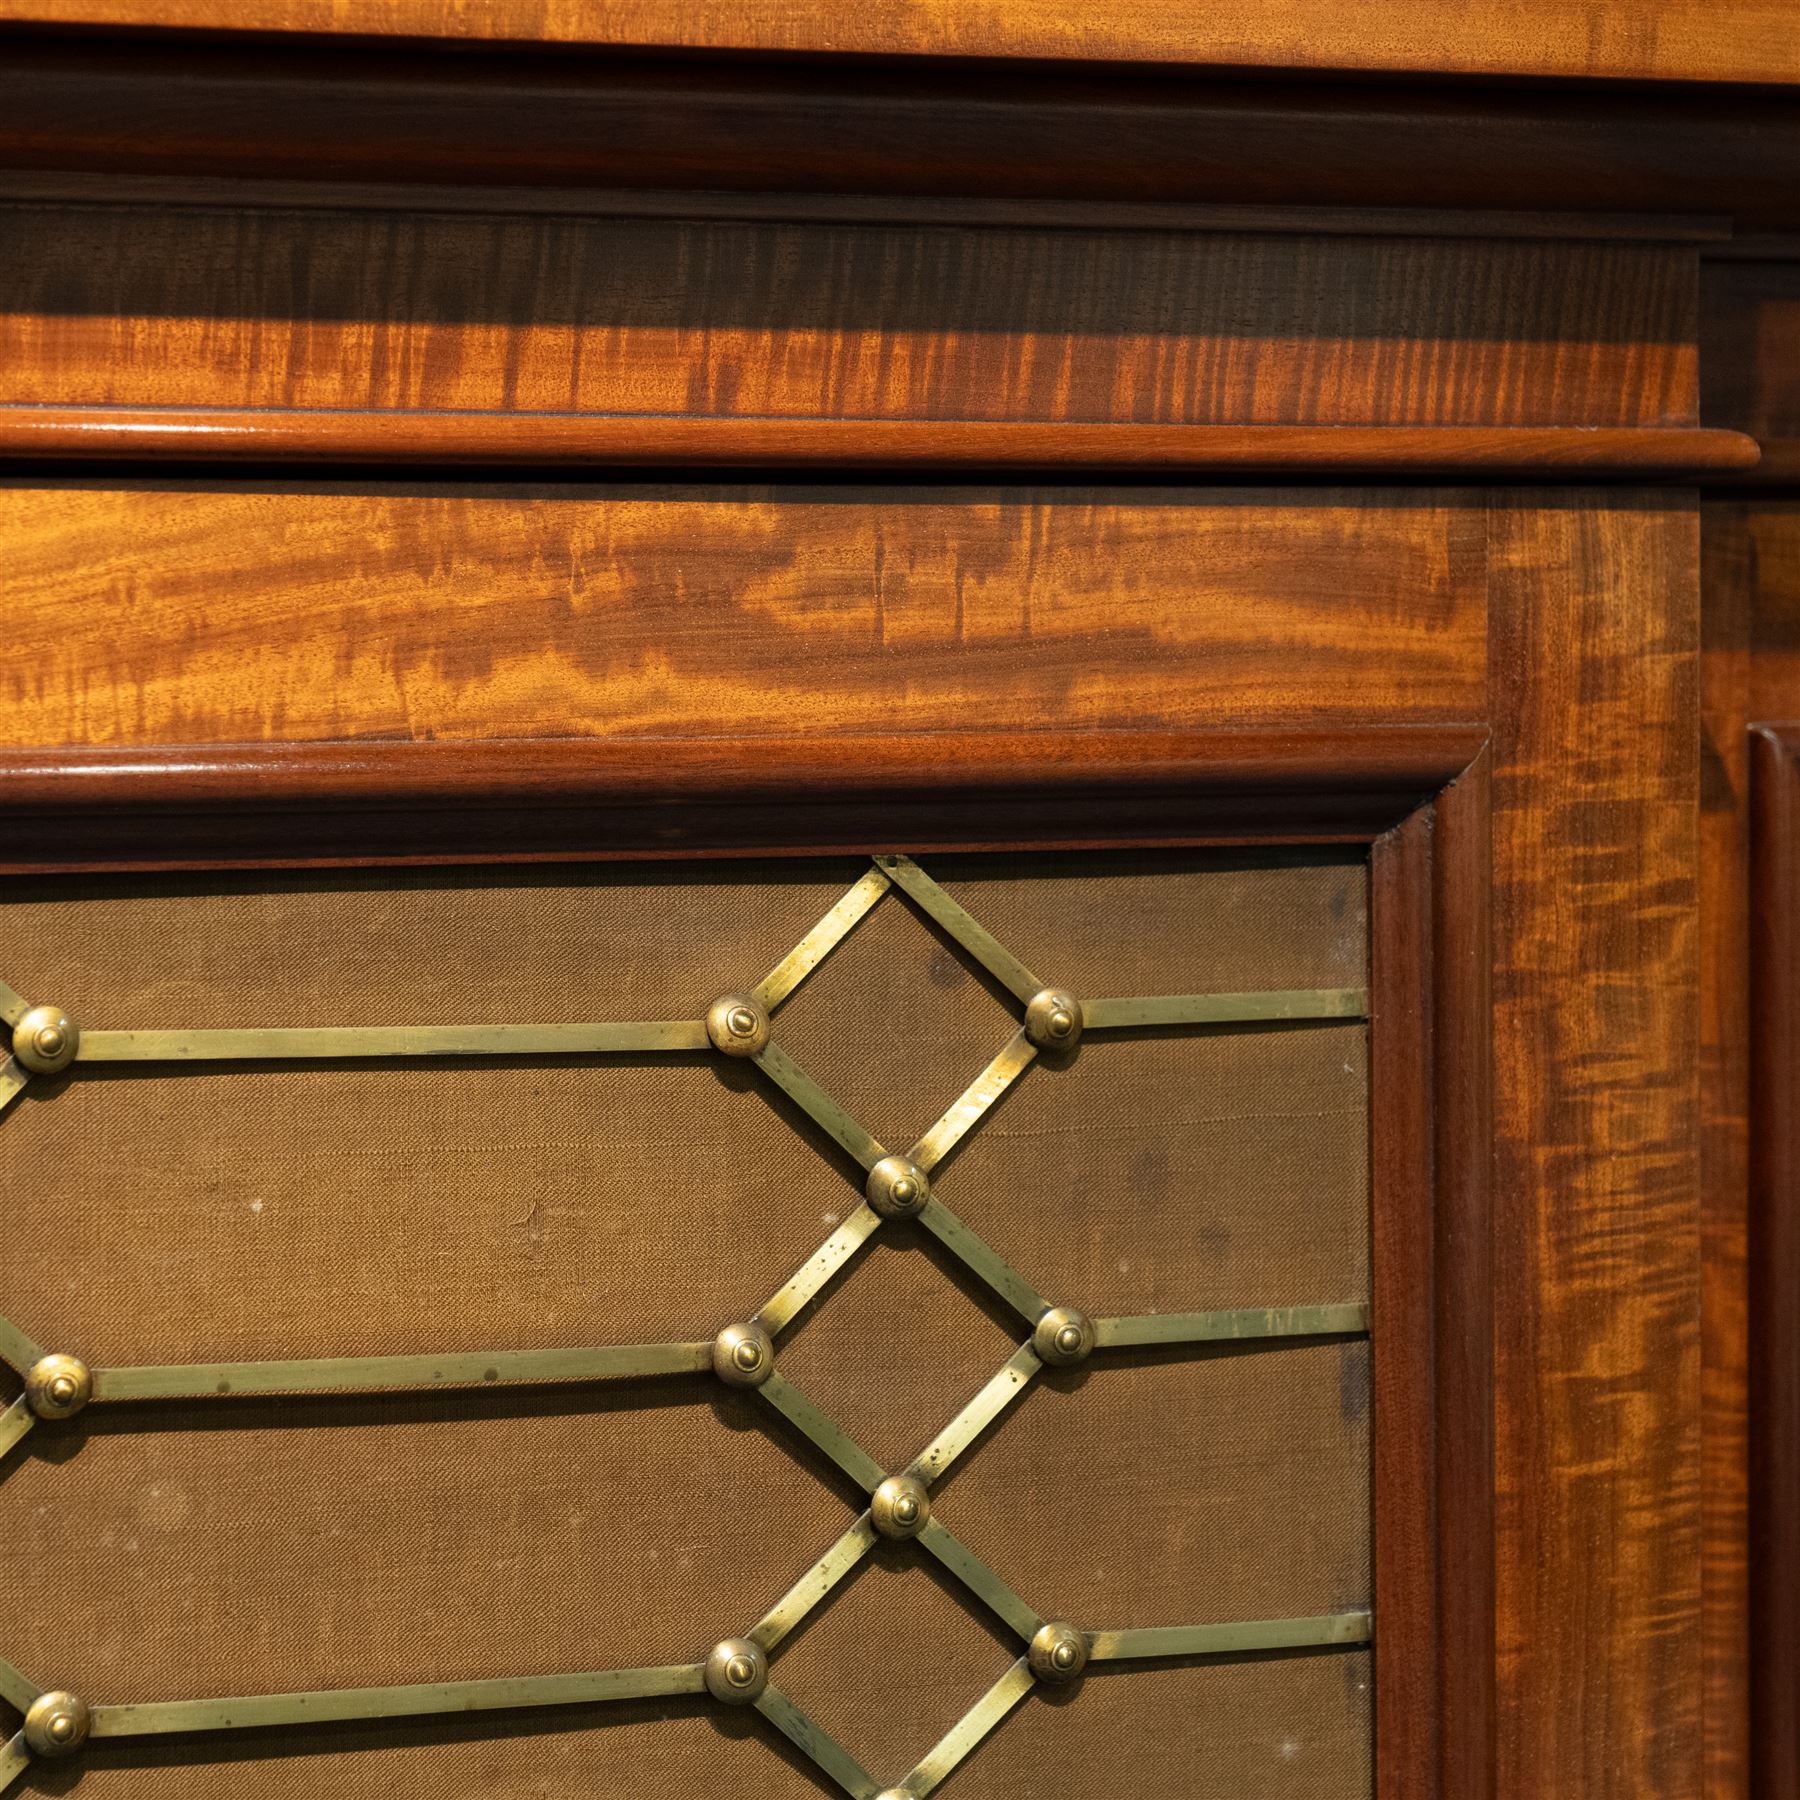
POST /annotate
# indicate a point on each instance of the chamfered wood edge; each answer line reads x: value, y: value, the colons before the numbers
x: 575, y: 440
x: 1774, y: 1232
x: 1432, y: 1304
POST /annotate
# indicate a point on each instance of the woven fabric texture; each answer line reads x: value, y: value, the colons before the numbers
x: 248, y: 1546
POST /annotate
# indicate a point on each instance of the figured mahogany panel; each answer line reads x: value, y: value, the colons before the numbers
x: 188, y: 614
x: 772, y: 320
x: 1669, y: 40
x: 1595, y: 629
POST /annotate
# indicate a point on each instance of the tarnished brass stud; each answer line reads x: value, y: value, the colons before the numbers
x: 737, y: 1025
x: 57, y: 1724
x: 46, y: 1040
x: 1063, y: 1336
x: 736, y: 1671
x: 1058, y: 1652
x: 900, y: 1507
x: 57, y: 1387
x: 1053, y: 1019
x: 744, y: 1355
x: 897, y: 1189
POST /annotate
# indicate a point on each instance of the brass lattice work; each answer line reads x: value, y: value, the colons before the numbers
x: 737, y: 1670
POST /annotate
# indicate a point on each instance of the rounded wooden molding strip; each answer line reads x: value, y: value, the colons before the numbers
x: 576, y: 440
x: 553, y: 772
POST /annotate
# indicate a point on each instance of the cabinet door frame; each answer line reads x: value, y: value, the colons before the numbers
x: 1415, y: 798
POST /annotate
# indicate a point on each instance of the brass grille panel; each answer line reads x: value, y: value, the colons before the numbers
x: 636, y: 1192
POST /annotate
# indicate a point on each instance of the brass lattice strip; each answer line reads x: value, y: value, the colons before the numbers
x: 254, y: 1712
x: 963, y: 926
x: 14, y: 1423
x: 970, y: 1729
x: 15, y: 1758
x: 13, y: 1005
x: 825, y: 1434
x: 1006, y: 1387
x: 982, y: 1260
x: 13, y: 1078
x: 1226, y: 1640
x: 359, y: 1374
x: 819, y: 943
x: 978, y: 1578
x: 981, y: 1093
x: 1226, y: 1009
x: 812, y: 1587
x: 812, y: 1275
x: 327, y: 1042
x: 1216, y: 1327
x: 818, y: 1105
x: 16, y: 1349
x: 814, y: 1741
x: 17, y: 1689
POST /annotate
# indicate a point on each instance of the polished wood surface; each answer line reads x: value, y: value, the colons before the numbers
x: 629, y: 321
x: 1594, y: 622
x: 1632, y: 40
x: 545, y: 129
x: 572, y: 441
x: 1774, y: 1238
x: 1431, y: 1150
x: 1751, y: 673
x: 280, y: 611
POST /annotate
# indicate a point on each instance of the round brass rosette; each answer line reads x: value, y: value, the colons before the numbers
x: 46, y: 1040
x: 897, y: 1189
x: 1058, y: 1652
x: 737, y: 1671
x: 744, y: 1355
x: 737, y: 1025
x: 1064, y: 1336
x: 900, y: 1507
x: 57, y: 1724
x: 58, y: 1387
x: 1053, y: 1019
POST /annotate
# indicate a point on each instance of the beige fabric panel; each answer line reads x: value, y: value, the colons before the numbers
x: 313, y: 1211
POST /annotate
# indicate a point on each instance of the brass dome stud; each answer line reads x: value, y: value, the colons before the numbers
x: 1053, y: 1019
x: 895, y: 1794
x: 1063, y: 1337
x: 737, y: 1671
x: 897, y: 1188
x: 58, y: 1387
x: 737, y: 1025
x: 46, y: 1040
x: 56, y: 1724
x: 1058, y: 1652
x: 900, y: 1507
x: 743, y: 1355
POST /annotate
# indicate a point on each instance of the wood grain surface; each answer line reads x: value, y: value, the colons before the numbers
x: 1774, y: 1261
x: 573, y: 442
x: 190, y: 614
x: 547, y: 127
x: 1728, y: 588
x: 1595, y: 635
x: 1639, y: 40
x: 1750, y: 672
x: 768, y: 320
